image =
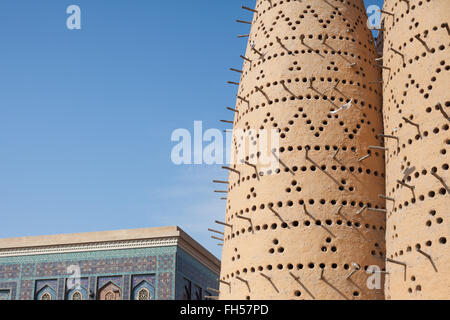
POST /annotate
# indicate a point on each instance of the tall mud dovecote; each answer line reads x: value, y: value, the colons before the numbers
x: 312, y: 228
x: 416, y: 115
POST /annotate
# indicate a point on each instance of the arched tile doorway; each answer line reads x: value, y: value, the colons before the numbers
x: 109, y: 292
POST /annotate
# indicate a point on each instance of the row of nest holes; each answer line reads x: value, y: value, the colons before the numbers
x: 429, y: 243
x: 431, y: 195
x: 319, y: 37
x: 310, y: 51
x: 309, y: 202
x: 301, y: 97
x: 412, y: 7
x: 417, y: 174
x: 413, y: 39
x: 432, y: 213
x: 273, y: 5
x: 305, y: 80
x: 306, y: 223
x: 246, y: 109
x: 425, y: 134
x: 412, y: 82
x: 250, y: 110
x: 298, y: 293
x: 422, y: 91
x: 312, y: 11
x: 290, y: 266
x: 304, y: 169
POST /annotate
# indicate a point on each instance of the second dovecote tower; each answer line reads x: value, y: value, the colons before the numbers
x: 314, y: 227
x: 416, y: 114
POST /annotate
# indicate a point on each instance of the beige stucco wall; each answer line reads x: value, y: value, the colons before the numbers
x: 416, y: 82
x: 280, y: 252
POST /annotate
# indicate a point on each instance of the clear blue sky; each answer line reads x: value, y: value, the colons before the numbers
x: 86, y: 116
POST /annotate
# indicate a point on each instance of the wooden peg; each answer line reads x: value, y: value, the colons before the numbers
x: 232, y: 82
x: 224, y: 224
x: 405, y: 185
x: 215, y: 231
x: 382, y: 196
x: 378, y: 148
x: 410, y: 122
x: 257, y: 52
x: 398, y: 52
x: 216, y: 238
x: 441, y: 180
x: 365, y: 157
x: 245, y: 58
x: 242, y: 21
x: 335, y: 154
x: 302, y: 39
x: 399, y: 263
x: 336, y: 84
x: 244, y: 281
x: 232, y: 170
x: 428, y: 257
x: 236, y: 70
x: 356, y: 268
x: 270, y: 280
x: 220, y: 181
x: 213, y: 290
x: 249, y: 9
x: 243, y: 218
x: 422, y: 42
x: 227, y: 121
x: 388, y: 136
x: 243, y: 99
x: 386, y: 12
x: 407, y: 2
x: 445, y: 25
x: 283, y: 164
x: 362, y: 210
x: 439, y: 106
x: 225, y: 282
x: 383, y: 67
x: 396, y: 262
x: 338, y: 212
x: 297, y: 279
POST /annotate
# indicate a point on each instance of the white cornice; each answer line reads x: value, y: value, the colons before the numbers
x: 99, y: 246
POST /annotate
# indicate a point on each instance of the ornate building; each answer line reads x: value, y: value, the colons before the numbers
x: 314, y: 228
x: 143, y: 264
